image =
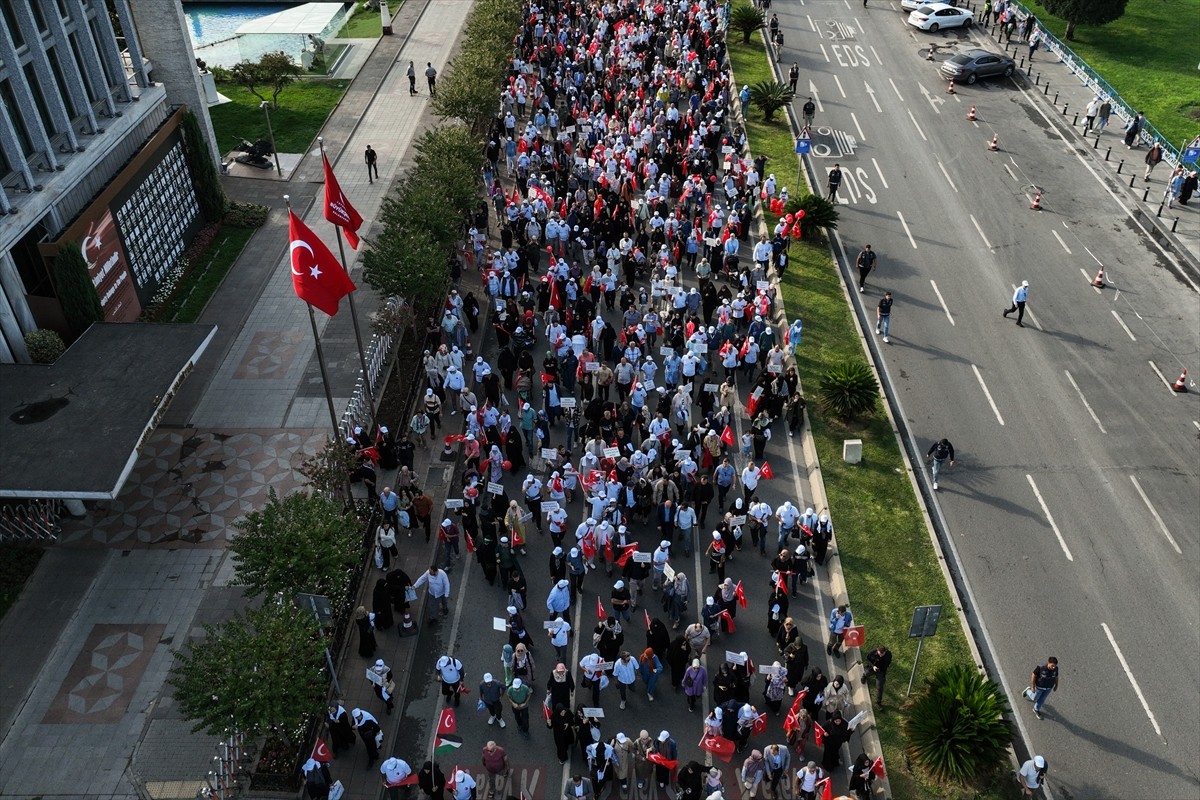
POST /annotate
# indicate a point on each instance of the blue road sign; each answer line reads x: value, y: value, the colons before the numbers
x: 803, y: 145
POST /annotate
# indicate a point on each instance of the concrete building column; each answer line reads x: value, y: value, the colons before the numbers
x: 92, y: 69
x: 163, y: 31
x: 26, y: 107
x: 133, y: 43
x: 108, y: 48
x: 56, y: 104
x: 11, y: 333
x: 72, y: 71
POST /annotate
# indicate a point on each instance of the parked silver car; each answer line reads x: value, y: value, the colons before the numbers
x: 969, y: 65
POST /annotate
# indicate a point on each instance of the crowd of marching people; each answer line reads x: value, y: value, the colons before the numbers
x: 635, y: 329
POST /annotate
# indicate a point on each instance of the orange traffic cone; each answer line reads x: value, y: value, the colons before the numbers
x: 995, y: 143
x: 1181, y: 384
x: 950, y: 88
x: 1036, y: 205
x: 971, y: 116
x: 1099, y: 281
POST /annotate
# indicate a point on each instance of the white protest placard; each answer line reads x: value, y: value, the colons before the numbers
x: 549, y: 505
x: 687, y: 388
x: 712, y: 242
x: 762, y: 286
x: 774, y: 369
x: 712, y: 387
x: 585, y: 128
x: 594, y: 713
x: 499, y: 624
x: 603, y: 665
x: 679, y: 455
x: 772, y: 670
x: 668, y: 572
x: 726, y: 149
x: 549, y: 453
x: 526, y: 517
x: 454, y: 503
x: 738, y: 520
x: 612, y: 452
x: 374, y: 677
x: 666, y: 350
x: 734, y: 658
x: 495, y: 488
x: 643, y: 558
x: 552, y: 624
x: 567, y: 402
x: 591, y: 366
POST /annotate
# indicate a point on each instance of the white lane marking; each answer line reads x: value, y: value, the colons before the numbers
x: 1088, y: 279
x: 878, y: 60
x: 987, y: 394
x: 1154, y: 513
x: 982, y: 235
x: 847, y: 2
x: 1162, y: 377
x: 896, y: 90
x: 871, y: 94
x: 1093, y: 255
x: 1010, y: 172
x: 1045, y: 510
x: 947, y: 174
x: 1132, y: 682
x: 1197, y: 424
x: 859, y: 24
x: 839, y: 85
x: 914, y: 122
x: 811, y: 24
x: 1060, y: 241
x: 906, y: 230
x: 1121, y: 322
x: 862, y: 137
x: 816, y: 96
x: 1086, y: 405
x: 825, y: 53
x: 882, y: 179
x: 942, y: 300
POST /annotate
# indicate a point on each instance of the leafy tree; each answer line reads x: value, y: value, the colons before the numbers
x: 849, y: 390
x: 770, y: 96
x: 819, y: 214
x: 327, y: 471
x: 956, y: 728
x: 464, y: 91
x: 302, y: 543
x: 261, y: 671
x: 746, y: 20
x: 406, y: 263
x: 80, y: 303
x: 1085, y: 12
x: 273, y: 72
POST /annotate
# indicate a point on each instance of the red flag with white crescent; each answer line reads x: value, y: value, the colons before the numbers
x: 877, y: 768
x: 727, y: 436
x: 317, y: 277
x: 337, y: 207
x: 767, y: 472
x: 321, y: 752
x: 740, y: 594
x: 600, y: 610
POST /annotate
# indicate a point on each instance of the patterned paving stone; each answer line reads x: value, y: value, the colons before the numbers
x: 99, y: 685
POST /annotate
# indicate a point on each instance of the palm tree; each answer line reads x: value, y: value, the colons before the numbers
x: 770, y: 96
x: 819, y: 214
x: 747, y: 19
x: 956, y: 728
x: 849, y: 390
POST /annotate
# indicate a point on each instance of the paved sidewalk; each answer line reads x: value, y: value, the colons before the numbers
x: 86, y: 650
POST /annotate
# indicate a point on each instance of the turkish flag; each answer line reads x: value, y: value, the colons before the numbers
x: 728, y: 619
x: 877, y: 768
x: 555, y: 296
x: 663, y: 761
x: 470, y: 543
x: 600, y: 610
x: 719, y: 746
x: 446, y: 722
x: 452, y: 780
x: 608, y: 554
x: 818, y: 734
x: 337, y: 207
x: 759, y: 725
x: 727, y: 436
x: 647, y: 613
x: 751, y: 406
x: 780, y: 583
x: 827, y: 789
x: 321, y: 752
x: 767, y: 472
x: 317, y: 276
x: 626, y: 552
x: 740, y: 594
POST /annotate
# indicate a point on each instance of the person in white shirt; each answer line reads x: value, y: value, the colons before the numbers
x: 439, y: 590
x: 750, y: 476
x: 450, y: 670
x: 1032, y: 775
x: 807, y: 777
x: 685, y: 525
x: 559, y: 635
x: 625, y: 671
x: 464, y: 786
x: 394, y: 771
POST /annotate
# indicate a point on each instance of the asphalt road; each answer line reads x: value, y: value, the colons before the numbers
x: 1074, y: 501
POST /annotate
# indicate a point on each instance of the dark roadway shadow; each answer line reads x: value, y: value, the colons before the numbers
x: 935, y: 352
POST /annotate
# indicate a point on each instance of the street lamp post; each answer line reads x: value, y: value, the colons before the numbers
x: 266, y: 107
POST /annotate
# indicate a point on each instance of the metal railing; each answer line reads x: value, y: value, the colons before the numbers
x: 30, y: 521
x: 380, y: 352
x: 225, y: 780
x: 1091, y: 79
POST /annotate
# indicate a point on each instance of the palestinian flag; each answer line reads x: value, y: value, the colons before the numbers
x: 447, y: 743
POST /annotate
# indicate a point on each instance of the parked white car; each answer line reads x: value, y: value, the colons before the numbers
x: 933, y: 17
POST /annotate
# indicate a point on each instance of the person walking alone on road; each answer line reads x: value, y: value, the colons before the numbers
x: 809, y: 109
x: 1042, y: 682
x: 937, y: 455
x: 372, y: 161
x: 793, y: 76
x: 431, y: 77
x: 1020, y: 297
x: 412, y: 79
x: 835, y: 180
x: 883, y: 316
x: 865, y: 263
x: 1032, y: 776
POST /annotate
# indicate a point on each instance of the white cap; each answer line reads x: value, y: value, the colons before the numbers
x: 487, y: 677
x: 622, y: 738
x: 574, y: 551
x: 1024, y: 283
x: 511, y: 609
x: 716, y: 536
x: 446, y: 523
x: 558, y: 551
x: 662, y: 737
x: 824, y: 518
x: 619, y: 585
x: 1039, y: 762
x: 708, y: 600
x: 563, y: 584
x: 664, y: 543
x: 517, y: 683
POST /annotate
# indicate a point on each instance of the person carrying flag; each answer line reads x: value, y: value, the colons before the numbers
x: 804, y: 786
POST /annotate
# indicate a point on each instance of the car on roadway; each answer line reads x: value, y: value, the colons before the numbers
x: 913, y: 5
x: 969, y: 65
x: 933, y: 17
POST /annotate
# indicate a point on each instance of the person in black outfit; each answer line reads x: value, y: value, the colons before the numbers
x: 865, y: 263
x: 938, y: 452
x: 878, y: 661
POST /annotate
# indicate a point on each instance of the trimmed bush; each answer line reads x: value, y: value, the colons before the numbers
x: 849, y: 390
x: 80, y: 303
x: 44, y: 346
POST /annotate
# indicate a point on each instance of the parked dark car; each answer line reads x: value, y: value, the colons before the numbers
x: 969, y: 65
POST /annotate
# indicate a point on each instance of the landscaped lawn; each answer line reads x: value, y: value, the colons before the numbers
x: 890, y: 565
x: 365, y: 22
x: 204, y: 279
x: 303, y: 108
x: 1146, y: 57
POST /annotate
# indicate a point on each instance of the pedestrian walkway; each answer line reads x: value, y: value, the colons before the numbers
x: 87, y: 649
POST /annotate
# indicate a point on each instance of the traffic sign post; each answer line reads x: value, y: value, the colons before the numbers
x: 924, y: 623
x: 1191, y: 152
x: 803, y: 148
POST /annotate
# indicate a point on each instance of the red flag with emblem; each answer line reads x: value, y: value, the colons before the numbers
x: 727, y: 436
x: 626, y: 552
x: 608, y: 554
x: 470, y: 542
x: 600, y: 610
x: 321, y: 752
x: 740, y: 594
x: 727, y: 618
x: 759, y: 725
x: 877, y: 768
x: 767, y: 472
x: 317, y: 277
x: 827, y: 789
x: 647, y: 613
x: 337, y: 207
x: 719, y: 746
x: 780, y: 583
x: 447, y: 722
x: 661, y: 760
x: 555, y: 296
x: 818, y: 734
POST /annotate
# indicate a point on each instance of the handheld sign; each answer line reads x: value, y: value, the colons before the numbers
x: 549, y: 505
x: 495, y: 488
x: 567, y: 402
x: 740, y: 520
x: 762, y: 286
x: 527, y: 517
x: 594, y: 713
x: 734, y: 658
x: 499, y: 624
x: 454, y: 503
x: 712, y: 387
x: 549, y: 453
x: 612, y: 452
x: 591, y: 366
x: 643, y: 558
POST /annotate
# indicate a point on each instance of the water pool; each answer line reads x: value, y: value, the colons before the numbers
x: 213, y: 28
